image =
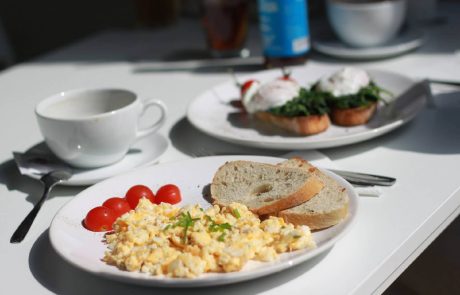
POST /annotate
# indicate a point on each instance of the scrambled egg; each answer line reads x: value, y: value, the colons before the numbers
x: 186, y: 242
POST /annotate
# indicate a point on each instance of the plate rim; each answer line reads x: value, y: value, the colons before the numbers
x: 277, y: 144
x: 210, y: 281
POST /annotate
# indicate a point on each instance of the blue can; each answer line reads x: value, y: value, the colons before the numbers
x: 284, y: 28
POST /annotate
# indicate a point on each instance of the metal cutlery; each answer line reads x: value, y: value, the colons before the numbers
x: 49, y: 180
x: 52, y: 173
x: 355, y: 178
x: 364, y: 178
x: 445, y: 82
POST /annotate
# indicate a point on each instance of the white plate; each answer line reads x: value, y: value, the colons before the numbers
x: 85, y: 249
x: 212, y: 113
x: 144, y: 152
x: 404, y: 42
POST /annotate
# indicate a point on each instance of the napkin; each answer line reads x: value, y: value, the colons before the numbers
x: 321, y: 160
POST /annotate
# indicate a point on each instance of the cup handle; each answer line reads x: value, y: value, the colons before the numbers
x: 155, y: 126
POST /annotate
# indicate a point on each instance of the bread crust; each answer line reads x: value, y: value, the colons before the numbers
x: 304, y: 125
x: 316, y: 220
x: 353, y: 116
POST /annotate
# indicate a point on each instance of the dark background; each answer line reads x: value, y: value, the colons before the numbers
x: 35, y: 27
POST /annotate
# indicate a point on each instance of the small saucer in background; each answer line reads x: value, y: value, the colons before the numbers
x: 144, y: 152
x: 406, y: 41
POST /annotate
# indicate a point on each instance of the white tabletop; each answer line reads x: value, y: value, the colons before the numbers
x: 391, y: 231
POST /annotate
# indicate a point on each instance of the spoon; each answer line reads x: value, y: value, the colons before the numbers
x: 49, y: 180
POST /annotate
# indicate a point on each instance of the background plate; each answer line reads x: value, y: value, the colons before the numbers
x: 213, y: 113
x: 404, y: 42
x: 85, y: 249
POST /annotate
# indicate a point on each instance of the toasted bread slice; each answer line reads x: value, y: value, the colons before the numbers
x: 353, y: 116
x: 303, y: 125
x: 326, y: 209
x: 263, y: 188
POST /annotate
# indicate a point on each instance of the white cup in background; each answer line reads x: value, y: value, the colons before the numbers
x: 366, y: 23
x: 91, y: 128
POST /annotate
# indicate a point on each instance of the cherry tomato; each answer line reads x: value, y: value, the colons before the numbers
x: 168, y: 193
x: 119, y: 205
x: 137, y: 192
x: 100, y: 219
x: 246, y: 86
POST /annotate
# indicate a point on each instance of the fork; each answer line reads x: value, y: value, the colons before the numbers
x: 355, y: 178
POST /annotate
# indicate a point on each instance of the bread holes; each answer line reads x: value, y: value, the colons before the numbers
x: 262, y: 189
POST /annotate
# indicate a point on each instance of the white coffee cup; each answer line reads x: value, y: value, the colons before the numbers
x: 366, y: 23
x: 91, y: 128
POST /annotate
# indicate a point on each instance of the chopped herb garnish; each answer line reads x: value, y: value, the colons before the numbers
x: 219, y: 227
x: 167, y: 227
x: 215, y: 227
x: 236, y: 213
x: 221, y: 237
x: 307, y: 103
x: 185, y: 220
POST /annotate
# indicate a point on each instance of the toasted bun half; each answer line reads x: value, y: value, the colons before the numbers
x: 353, y: 116
x: 303, y: 125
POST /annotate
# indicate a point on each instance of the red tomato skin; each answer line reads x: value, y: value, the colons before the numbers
x: 168, y: 193
x: 246, y: 86
x: 100, y: 219
x: 119, y: 205
x: 135, y: 193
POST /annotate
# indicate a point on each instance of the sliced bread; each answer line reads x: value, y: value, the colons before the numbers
x: 303, y: 125
x: 263, y: 188
x: 326, y: 209
x: 353, y: 116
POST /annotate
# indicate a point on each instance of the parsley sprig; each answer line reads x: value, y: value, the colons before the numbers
x: 218, y: 227
x: 236, y: 213
x: 185, y: 220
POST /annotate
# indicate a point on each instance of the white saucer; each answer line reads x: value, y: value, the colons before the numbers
x: 406, y: 41
x: 144, y: 152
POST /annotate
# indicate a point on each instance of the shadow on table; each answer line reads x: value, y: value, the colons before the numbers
x: 433, y: 131
x: 193, y: 142
x: 32, y: 188
x: 58, y: 276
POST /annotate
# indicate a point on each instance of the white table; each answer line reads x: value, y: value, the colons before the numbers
x: 391, y: 231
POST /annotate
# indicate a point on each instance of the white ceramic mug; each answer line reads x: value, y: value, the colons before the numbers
x: 91, y: 128
x: 366, y: 23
